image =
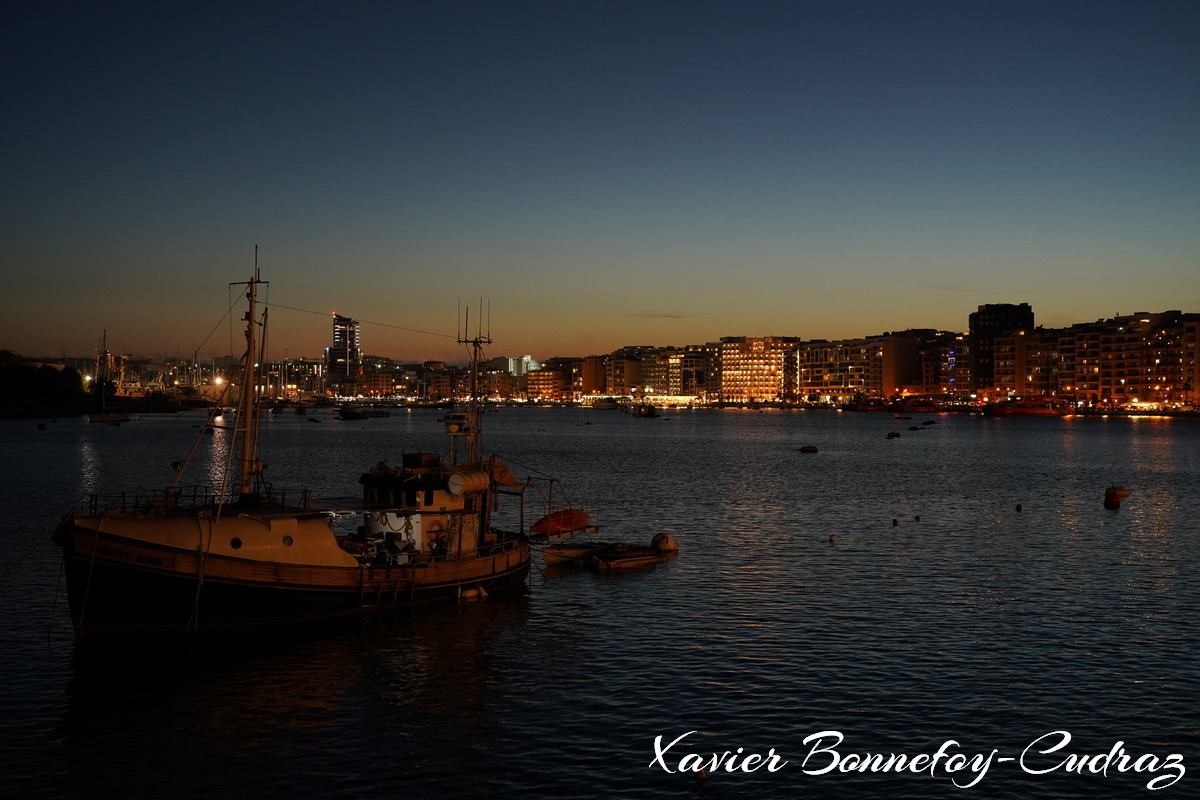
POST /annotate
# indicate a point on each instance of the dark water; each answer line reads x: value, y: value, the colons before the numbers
x: 979, y: 624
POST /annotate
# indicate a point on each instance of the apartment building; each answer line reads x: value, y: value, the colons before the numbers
x: 344, y: 355
x: 985, y: 324
x: 1025, y: 364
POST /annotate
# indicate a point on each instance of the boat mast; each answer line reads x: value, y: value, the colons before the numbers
x: 247, y: 414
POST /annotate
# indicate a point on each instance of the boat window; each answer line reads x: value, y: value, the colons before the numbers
x: 235, y: 543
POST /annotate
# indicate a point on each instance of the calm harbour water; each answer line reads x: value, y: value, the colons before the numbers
x: 978, y: 623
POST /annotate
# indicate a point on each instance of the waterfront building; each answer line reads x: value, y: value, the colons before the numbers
x: 837, y: 371
x: 304, y: 376
x: 1079, y: 362
x: 946, y: 365
x: 690, y: 371
x: 898, y: 368
x: 758, y: 369
x: 622, y: 375
x: 571, y: 372
x: 656, y: 373
x: 546, y: 386
x: 498, y: 384
x: 1143, y: 358
x: 378, y: 383
x: 1189, y: 358
x: 1135, y: 359
x: 960, y: 378
x: 990, y: 321
x: 344, y: 356
x: 591, y: 377
x: 438, y: 381
x: 1026, y: 364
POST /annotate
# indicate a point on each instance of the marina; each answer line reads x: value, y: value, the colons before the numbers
x: 967, y: 583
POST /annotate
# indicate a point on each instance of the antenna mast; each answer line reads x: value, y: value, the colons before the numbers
x: 466, y: 424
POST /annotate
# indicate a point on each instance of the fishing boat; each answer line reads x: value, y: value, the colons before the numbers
x: 236, y: 558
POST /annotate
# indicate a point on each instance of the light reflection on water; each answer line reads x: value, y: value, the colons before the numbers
x: 978, y: 622
x: 89, y: 466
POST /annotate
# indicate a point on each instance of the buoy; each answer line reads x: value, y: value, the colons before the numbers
x: 917, y: 518
x: 808, y: 448
x: 895, y: 522
x: 701, y: 774
x: 476, y: 593
x: 1113, y: 496
x: 664, y: 543
x: 1018, y: 508
x: 832, y: 538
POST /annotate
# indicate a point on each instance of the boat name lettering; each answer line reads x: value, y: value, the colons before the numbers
x: 125, y: 555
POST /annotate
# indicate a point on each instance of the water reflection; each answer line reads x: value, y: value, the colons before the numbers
x: 89, y: 466
x: 267, y: 714
x: 219, y: 454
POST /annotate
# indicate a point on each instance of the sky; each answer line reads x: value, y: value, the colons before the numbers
x: 589, y: 174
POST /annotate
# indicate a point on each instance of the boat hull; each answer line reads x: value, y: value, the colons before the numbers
x: 124, y: 586
x: 571, y: 552
x: 565, y: 522
x: 620, y: 557
x: 1024, y: 408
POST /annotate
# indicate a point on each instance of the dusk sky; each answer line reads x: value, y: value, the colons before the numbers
x: 599, y: 173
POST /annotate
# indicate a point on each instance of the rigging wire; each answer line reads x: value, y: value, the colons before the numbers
x: 365, y: 321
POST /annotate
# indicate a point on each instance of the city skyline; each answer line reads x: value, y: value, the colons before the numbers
x: 601, y: 174
x: 340, y: 323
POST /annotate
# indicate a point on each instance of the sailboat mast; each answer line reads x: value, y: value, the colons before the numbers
x: 247, y: 417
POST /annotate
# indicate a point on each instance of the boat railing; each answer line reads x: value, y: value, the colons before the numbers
x: 144, y: 501
x: 492, y: 548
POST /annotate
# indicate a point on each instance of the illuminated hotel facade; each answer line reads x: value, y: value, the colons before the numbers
x: 758, y: 370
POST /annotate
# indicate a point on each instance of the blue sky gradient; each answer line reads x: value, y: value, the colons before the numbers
x: 602, y: 173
